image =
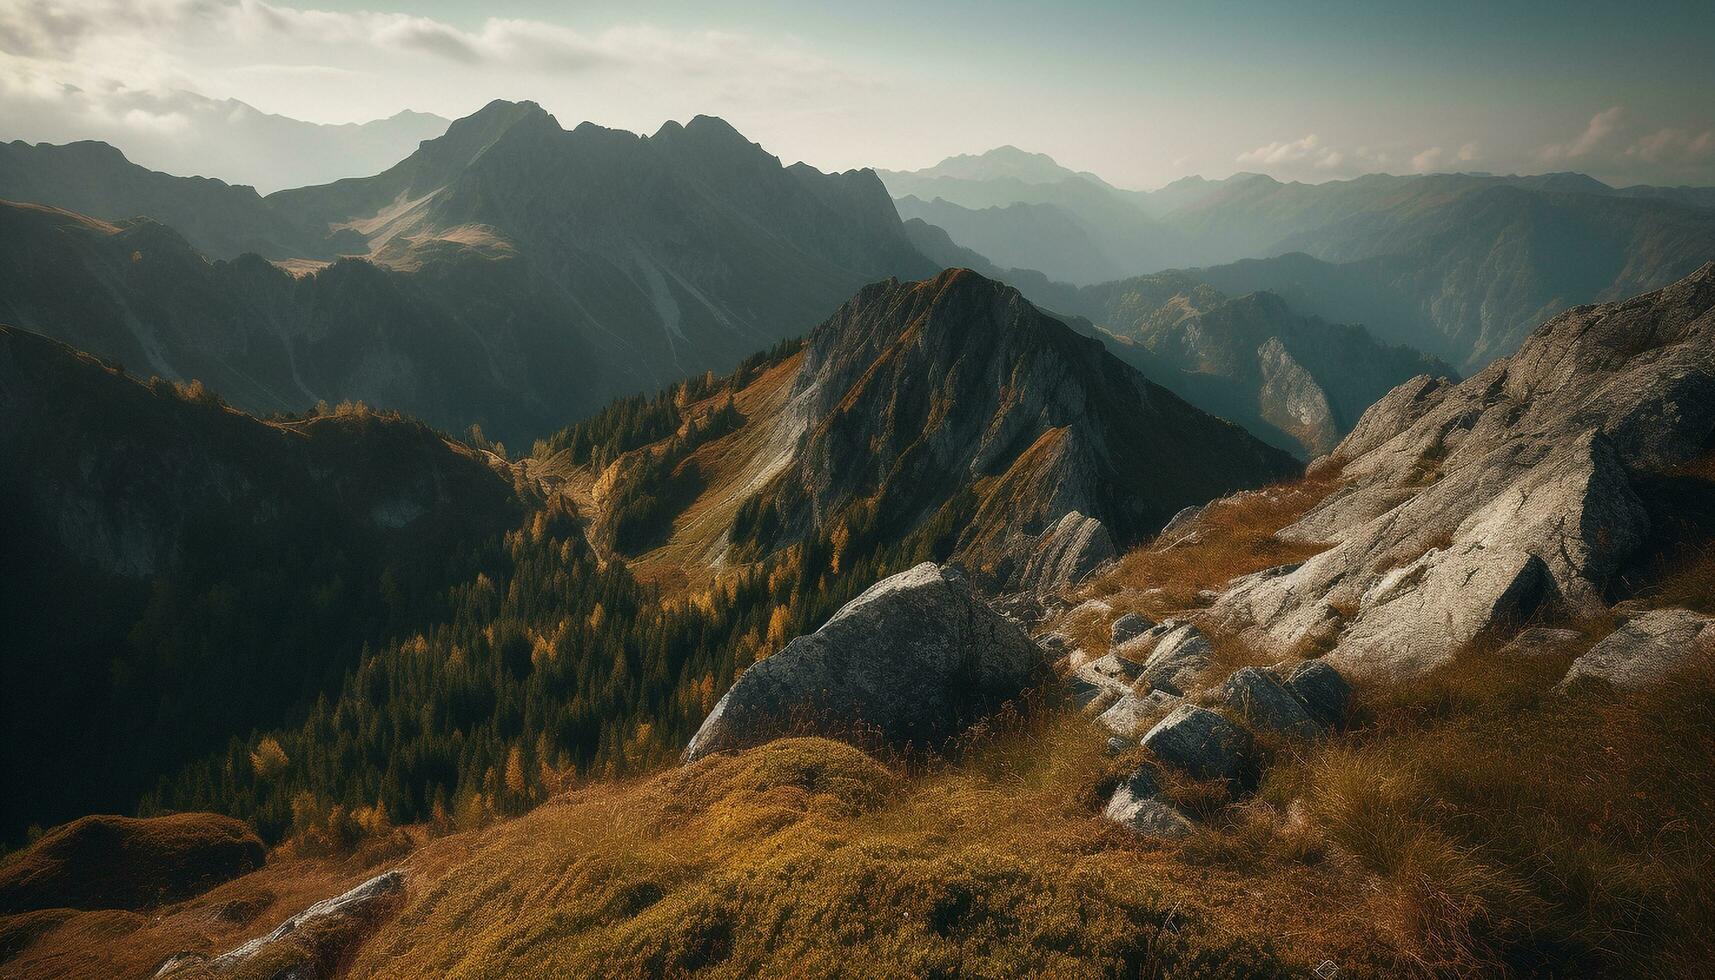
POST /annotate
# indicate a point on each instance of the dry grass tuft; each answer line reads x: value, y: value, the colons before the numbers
x: 1232, y: 537
x: 1514, y: 829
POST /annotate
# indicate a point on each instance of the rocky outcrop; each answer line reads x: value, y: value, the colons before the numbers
x: 913, y: 660
x: 1322, y: 691
x: 1468, y: 509
x: 310, y: 945
x: 1181, y: 652
x: 1129, y: 627
x: 1065, y: 554
x: 1647, y: 650
x: 1267, y: 703
x: 1132, y: 713
x: 110, y: 862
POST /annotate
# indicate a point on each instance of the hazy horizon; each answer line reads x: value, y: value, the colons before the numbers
x: 1140, y: 97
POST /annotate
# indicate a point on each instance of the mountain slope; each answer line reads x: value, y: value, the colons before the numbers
x: 464, y: 339
x: 1542, y: 488
x: 97, y: 180
x: 950, y: 407
x: 1297, y: 382
x: 241, y: 565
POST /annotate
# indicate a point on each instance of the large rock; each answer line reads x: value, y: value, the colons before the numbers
x: 1129, y: 713
x: 1111, y: 670
x: 1202, y: 744
x: 915, y: 659
x: 1129, y: 627
x: 1136, y: 804
x: 309, y: 945
x: 109, y: 862
x: 1322, y: 691
x: 1178, y: 658
x: 1267, y: 703
x: 1646, y: 650
x: 1465, y: 510
x: 1068, y: 552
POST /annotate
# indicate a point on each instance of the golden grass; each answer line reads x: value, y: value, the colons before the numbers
x: 808, y: 858
x: 1234, y: 536
x: 1513, y: 828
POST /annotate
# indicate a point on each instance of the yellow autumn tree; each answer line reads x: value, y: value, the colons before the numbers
x: 269, y: 760
x: 779, y: 621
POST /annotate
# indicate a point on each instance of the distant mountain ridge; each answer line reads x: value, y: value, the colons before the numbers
x: 184, y: 133
x: 1459, y: 265
x: 515, y: 274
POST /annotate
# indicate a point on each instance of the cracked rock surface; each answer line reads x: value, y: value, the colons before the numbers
x: 1467, y: 509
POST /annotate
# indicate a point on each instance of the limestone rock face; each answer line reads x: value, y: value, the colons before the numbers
x: 1645, y: 651
x: 914, y: 659
x: 1466, y: 509
x: 1202, y: 744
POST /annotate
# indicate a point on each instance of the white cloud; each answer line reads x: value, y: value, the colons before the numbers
x: 1427, y: 160
x: 1674, y: 146
x: 1271, y: 154
x: 1602, y: 126
x: 1468, y: 152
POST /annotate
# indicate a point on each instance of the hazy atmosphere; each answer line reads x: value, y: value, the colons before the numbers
x: 1139, y: 93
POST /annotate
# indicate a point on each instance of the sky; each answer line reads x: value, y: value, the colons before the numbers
x: 1139, y: 93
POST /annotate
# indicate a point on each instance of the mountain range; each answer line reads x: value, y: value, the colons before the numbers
x: 513, y: 274
x: 181, y: 132
x: 1461, y: 266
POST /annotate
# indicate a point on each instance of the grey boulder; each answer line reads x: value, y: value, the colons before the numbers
x: 1267, y: 703
x: 1646, y: 650
x: 1202, y: 744
x: 1322, y: 691
x: 1136, y: 804
x: 1178, y: 658
x: 914, y: 660
x: 1129, y: 713
x: 1128, y: 627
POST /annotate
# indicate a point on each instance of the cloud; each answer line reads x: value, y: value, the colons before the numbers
x: 1601, y: 128
x: 1427, y: 160
x: 1674, y: 146
x: 1272, y: 154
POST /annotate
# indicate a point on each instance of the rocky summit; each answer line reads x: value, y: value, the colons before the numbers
x: 914, y: 389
